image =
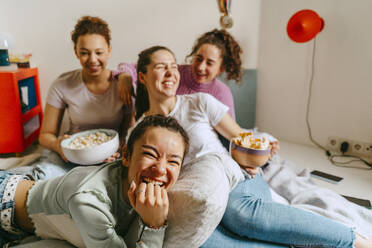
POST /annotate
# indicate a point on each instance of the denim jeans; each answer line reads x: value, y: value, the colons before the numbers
x: 252, y: 214
x: 221, y: 237
x: 50, y: 165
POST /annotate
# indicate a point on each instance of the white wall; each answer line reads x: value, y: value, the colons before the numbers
x: 342, y: 90
x: 341, y: 102
x: 43, y: 27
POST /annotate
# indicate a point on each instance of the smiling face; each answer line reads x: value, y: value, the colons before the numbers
x: 93, y: 52
x: 207, y: 63
x: 162, y: 76
x: 157, y: 158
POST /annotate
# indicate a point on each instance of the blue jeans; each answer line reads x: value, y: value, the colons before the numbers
x: 252, y: 214
x: 50, y: 165
x: 221, y: 237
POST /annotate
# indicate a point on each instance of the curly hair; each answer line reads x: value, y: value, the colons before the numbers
x: 91, y: 25
x: 230, y: 51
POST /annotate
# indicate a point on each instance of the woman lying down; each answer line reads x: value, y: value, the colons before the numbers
x: 103, y: 206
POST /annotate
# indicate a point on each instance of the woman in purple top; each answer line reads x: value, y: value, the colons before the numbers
x: 213, y: 53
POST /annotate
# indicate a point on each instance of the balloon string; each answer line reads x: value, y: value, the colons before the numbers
x: 227, y: 6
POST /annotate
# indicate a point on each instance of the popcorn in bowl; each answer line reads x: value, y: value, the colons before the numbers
x: 248, y: 140
x: 89, y: 140
x: 250, y: 150
x: 91, y: 146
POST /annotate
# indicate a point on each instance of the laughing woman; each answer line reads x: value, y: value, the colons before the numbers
x: 213, y: 53
x: 250, y: 212
x: 118, y: 205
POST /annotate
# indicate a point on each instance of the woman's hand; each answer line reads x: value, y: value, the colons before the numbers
x: 274, y: 148
x: 113, y: 157
x: 253, y: 171
x: 150, y: 202
x: 125, y: 88
x: 59, y: 147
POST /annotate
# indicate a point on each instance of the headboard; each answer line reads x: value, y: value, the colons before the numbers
x: 244, y: 97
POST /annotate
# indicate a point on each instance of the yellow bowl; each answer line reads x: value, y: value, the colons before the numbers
x: 249, y: 157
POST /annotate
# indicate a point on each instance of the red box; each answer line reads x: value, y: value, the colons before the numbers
x: 19, y: 125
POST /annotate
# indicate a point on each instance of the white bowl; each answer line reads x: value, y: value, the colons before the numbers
x: 94, y: 154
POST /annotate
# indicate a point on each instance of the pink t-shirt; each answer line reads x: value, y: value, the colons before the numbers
x: 188, y: 85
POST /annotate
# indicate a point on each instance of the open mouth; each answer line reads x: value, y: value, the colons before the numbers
x: 168, y: 83
x: 155, y: 182
x: 200, y: 75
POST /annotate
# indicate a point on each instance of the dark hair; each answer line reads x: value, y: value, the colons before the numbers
x: 230, y: 51
x: 156, y: 121
x: 142, y: 96
x: 91, y: 25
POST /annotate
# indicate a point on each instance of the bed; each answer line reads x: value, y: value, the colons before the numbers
x: 356, y: 183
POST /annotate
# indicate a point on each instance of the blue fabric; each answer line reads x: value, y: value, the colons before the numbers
x: 50, y: 165
x: 252, y: 214
x: 221, y: 237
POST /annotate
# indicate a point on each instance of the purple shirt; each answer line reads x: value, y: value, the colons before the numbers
x: 188, y: 85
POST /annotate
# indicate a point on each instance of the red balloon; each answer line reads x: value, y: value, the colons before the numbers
x: 304, y: 25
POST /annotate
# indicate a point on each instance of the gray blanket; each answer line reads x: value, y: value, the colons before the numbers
x: 300, y: 191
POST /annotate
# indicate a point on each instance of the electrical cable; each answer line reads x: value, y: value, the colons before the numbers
x: 328, y: 153
x: 353, y: 159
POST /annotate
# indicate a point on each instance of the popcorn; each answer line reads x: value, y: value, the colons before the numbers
x: 89, y: 140
x: 248, y: 140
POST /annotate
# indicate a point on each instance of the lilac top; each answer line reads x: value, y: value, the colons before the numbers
x: 188, y: 85
x: 85, y: 109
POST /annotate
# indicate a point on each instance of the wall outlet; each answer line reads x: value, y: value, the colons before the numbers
x: 357, y: 148
x: 366, y: 150
x: 334, y: 144
x: 350, y: 148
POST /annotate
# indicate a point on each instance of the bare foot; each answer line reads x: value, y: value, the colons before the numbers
x: 361, y: 242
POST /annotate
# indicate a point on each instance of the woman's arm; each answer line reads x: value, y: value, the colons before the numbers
x: 52, y: 120
x: 125, y: 88
x: 127, y: 81
x: 228, y: 128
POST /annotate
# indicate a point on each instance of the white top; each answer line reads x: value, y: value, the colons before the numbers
x: 198, y: 114
x: 85, y: 109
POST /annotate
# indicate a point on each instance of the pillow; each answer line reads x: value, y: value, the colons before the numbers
x: 197, y: 202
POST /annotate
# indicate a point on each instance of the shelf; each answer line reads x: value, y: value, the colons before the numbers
x: 20, y: 109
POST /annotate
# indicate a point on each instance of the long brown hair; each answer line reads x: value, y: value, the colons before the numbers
x: 144, y: 59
